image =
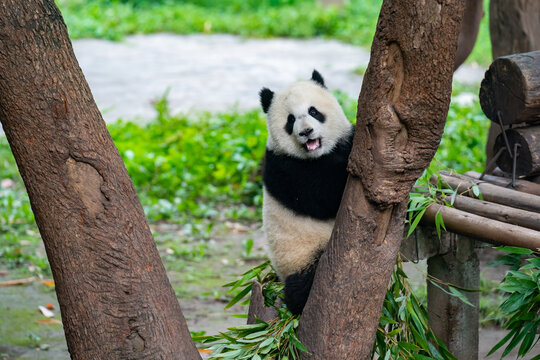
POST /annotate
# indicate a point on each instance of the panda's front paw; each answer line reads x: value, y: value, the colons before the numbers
x: 297, y: 288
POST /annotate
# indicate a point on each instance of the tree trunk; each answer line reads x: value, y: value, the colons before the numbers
x: 472, y: 16
x: 114, y: 295
x: 401, y: 114
x: 514, y: 28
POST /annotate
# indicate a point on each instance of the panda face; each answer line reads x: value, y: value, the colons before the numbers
x: 304, y: 120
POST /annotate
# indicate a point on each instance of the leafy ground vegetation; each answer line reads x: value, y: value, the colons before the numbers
x: 199, y: 181
x: 353, y: 23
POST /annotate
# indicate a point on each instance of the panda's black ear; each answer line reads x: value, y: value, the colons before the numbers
x: 317, y: 77
x: 266, y: 96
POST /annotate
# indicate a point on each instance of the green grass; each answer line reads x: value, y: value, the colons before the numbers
x: 206, y: 166
x: 354, y: 23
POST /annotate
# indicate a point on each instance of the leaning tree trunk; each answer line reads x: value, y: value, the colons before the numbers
x: 114, y: 295
x: 401, y: 114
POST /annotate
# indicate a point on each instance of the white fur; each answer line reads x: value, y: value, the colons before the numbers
x: 296, y: 100
x: 293, y: 240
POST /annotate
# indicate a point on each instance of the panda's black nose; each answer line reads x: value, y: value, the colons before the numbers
x: 306, y: 132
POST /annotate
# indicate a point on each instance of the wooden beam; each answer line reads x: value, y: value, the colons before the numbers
x: 520, y: 185
x: 492, y: 193
x: 488, y: 230
x: 498, y: 212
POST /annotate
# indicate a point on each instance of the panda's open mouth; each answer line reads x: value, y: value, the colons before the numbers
x: 313, y: 144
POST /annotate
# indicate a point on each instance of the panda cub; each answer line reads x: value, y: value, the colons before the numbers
x: 309, y: 141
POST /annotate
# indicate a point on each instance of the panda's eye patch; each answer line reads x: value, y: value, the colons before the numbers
x: 290, y: 124
x: 291, y: 118
x: 316, y: 114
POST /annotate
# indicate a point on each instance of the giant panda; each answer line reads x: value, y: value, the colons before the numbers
x: 304, y: 174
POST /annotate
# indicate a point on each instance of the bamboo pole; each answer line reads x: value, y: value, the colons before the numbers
x: 491, y: 193
x: 498, y: 212
x: 520, y: 185
x: 488, y: 230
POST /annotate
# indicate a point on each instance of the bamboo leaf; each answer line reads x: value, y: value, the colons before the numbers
x: 416, y: 221
x: 515, y: 250
x: 239, y: 296
x: 459, y: 295
x: 503, y: 341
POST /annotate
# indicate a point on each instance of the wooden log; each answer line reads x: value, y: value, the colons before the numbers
x: 492, y: 193
x: 520, y: 185
x: 514, y: 28
x: 511, y: 86
x: 257, y: 309
x: 528, y: 159
x: 488, y: 230
x: 498, y: 212
x: 497, y: 171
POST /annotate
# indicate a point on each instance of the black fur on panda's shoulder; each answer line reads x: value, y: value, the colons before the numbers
x: 311, y: 187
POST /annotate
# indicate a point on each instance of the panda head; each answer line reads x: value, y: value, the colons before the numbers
x: 304, y: 120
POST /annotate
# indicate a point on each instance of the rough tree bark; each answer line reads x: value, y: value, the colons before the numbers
x: 514, y: 28
x: 115, y: 298
x: 401, y: 114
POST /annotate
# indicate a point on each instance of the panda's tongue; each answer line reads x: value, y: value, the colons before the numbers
x: 313, y: 144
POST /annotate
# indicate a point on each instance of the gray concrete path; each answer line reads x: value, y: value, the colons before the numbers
x: 213, y: 72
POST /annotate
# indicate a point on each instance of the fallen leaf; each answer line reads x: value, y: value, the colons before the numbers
x: 204, y: 351
x: 48, y: 322
x: 49, y: 283
x: 6, y: 183
x: 17, y: 281
x: 46, y: 312
x: 50, y: 306
x: 236, y: 227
